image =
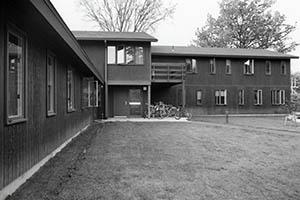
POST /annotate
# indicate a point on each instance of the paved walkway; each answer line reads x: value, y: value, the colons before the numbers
x: 140, y: 119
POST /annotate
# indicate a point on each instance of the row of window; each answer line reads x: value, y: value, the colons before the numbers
x: 130, y: 55
x: 191, y: 66
x: 16, y: 82
x: 277, y: 97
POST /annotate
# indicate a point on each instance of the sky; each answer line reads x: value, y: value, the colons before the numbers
x: 189, y: 15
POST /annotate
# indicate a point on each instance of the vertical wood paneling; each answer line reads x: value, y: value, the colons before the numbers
x: 23, y: 145
x: 1, y: 90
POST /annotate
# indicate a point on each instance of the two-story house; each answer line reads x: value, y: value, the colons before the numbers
x: 124, y: 59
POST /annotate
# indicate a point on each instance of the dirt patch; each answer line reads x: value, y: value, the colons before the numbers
x: 173, y: 161
x: 48, y: 182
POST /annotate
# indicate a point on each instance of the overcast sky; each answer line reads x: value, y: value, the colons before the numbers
x: 189, y: 15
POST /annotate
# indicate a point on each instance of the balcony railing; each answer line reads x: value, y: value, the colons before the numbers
x: 168, y: 72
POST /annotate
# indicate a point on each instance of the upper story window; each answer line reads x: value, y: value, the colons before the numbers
x: 199, y: 97
x: 283, y: 67
x: 221, y: 97
x: 191, y: 65
x: 268, y: 67
x: 278, y: 97
x: 51, y: 84
x: 130, y: 55
x: 212, y: 65
x: 258, y: 97
x: 228, y: 66
x: 249, y: 67
x: 70, y: 91
x: 111, y: 54
x: 16, y: 76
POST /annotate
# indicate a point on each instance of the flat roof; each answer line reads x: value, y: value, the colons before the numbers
x: 114, y: 36
x: 49, y: 12
x: 217, y: 52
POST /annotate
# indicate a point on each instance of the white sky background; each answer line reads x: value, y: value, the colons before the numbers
x: 189, y: 15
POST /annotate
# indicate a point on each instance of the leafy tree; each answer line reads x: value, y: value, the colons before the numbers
x: 127, y: 15
x: 247, y: 24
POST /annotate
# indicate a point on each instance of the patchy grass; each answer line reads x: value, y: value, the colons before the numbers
x: 275, y: 123
x: 163, y: 160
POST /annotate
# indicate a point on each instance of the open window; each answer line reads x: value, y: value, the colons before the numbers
x: 212, y: 65
x: 249, y: 67
x: 199, y: 97
x: 228, y: 66
x: 191, y: 65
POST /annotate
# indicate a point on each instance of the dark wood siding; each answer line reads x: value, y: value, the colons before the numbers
x: 208, y: 83
x: 25, y: 144
x: 134, y: 74
x: 2, y: 11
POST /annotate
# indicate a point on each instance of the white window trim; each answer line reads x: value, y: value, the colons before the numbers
x: 228, y: 64
x: 259, y: 100
x: 270, y: 72
x: 12, y: 119
x: 52, y: 113
x: 201, y: 95
x: 241, y: 97
x: 218, y: 97
x: 251, y: 65
x: 212, y: 66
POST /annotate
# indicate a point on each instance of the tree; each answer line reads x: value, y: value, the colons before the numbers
x: 247, y: 24
x: 126, y: 15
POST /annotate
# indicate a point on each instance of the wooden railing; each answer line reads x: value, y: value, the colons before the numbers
x: 168, y: 72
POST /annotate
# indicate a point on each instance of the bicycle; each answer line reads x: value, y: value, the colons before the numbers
x: 182, y: 112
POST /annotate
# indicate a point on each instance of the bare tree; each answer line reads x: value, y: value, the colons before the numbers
x: 126, y: 15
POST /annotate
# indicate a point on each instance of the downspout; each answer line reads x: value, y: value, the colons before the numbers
x: 105, y: 81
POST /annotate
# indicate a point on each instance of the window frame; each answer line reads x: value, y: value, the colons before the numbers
x: 212, y: 66
x: 251, y: 67
x: 201, y: 99
x: 12, y: 29
x: 193, y: 65
x: 278, y: 97
x: 228, y: 66
x: 259, y: 100
x: 124, y: 53
x: 283, y: 63
x: 268, y: 63
x: 218, y: 98
x: 49, y: 113
x: 73, y: 108
x: 115, y: 56
x: 241, y: 97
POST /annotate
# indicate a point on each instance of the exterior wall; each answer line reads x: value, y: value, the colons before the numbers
x: 122, y: 92
x: 131, y: 74
x: 25, y: 144
x: 208, y: 83
x: 2, y: 14
x: 96, y: 52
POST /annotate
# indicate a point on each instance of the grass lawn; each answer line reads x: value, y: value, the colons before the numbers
x: 161, y: 160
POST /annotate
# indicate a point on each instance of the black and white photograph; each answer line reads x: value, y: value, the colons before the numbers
x: 149, y: 100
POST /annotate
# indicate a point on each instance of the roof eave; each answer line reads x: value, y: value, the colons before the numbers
x: 62, y: 29
x: 116, y: 39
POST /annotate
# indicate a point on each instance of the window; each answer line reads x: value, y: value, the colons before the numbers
x: 111, y: 54
x: 90, y: 93
x: 139, y: 55
x: 70, y: 91
x: 130, y: 55
x: 241, y: 97
x: 283, y: 67
x: 268, y: 67
x: 221, y: 97
x: 15, y: 93
x: 199, y: 97
x: 278, y: 97
x: 51, y: 84
x: 228, y: 66
x: 258, y: 97
x: 249, y: 67
x: 191, y: 65
x: 121, y: 54
x: 212, y: 65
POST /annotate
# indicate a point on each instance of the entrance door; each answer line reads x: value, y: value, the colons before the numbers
x: 120, y: 97
x: 135, y: 102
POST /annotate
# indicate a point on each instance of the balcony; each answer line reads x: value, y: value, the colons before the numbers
x: 168, y: 72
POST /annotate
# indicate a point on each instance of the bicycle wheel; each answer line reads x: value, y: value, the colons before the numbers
x: 177, y: 115
x: 188, y: 116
